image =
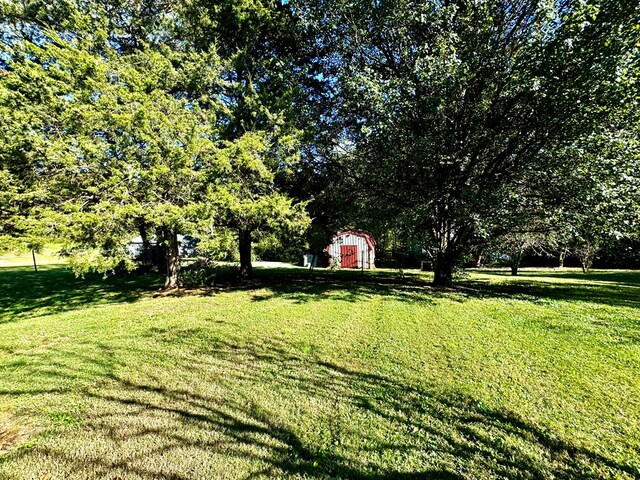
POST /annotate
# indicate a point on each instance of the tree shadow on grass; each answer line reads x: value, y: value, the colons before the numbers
x: 24, y: 293
x: 354, y: 286
x: 345, y: 286
x: 610, y: 293
x: 629, y: 278
x: 260, y: 411
x: 55, y: 289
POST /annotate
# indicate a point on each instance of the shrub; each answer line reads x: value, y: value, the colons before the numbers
x: 201, y: 273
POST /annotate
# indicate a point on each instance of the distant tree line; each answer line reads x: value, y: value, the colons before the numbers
x: 474, y: 130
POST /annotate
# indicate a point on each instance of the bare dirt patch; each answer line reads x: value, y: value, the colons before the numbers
x: 12, y: 433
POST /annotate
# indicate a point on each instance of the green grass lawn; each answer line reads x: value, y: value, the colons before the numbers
x: 343, y: 375
x: 48, y: 255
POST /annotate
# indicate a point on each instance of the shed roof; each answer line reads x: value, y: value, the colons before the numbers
x: 367, y: 236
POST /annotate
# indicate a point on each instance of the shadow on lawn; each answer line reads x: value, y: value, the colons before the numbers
x: 354, y: 286
x: 24, y: 293
x: 627, y: 278
x: 611, y: 293
x: 289, y: 416
x: 56, y: 289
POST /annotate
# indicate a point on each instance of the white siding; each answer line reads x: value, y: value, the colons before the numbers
x: 365, y: 255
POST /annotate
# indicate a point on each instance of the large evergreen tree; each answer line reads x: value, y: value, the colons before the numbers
x: 141, y: 124
x: 262, y: 53
x: 116, y: 146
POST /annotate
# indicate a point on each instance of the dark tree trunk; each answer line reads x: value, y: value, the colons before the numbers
x: 449, y: 241
x: 152, y: 256
x: 586, y: 263
x: 35, y: 265
x: 587, y: 254
x: 159, y: 258
x: 443, y: 269
x: 146, y: 246
x: 515, y: 262
x: 244, y: 242
x: 563, y: 254
x: 172, y: 257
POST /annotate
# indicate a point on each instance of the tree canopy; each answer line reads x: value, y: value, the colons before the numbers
x: 132, y: 118
x: 446, y: 105
x: 459, y: 123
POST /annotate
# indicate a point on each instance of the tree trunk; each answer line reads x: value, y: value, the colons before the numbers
x: 152, y: 256
x: 144, y: 236
x: 586, y: 262
x: 515, y: 262
x: 587, y: 255
x: 449, y: 241
x: 244, y: 241
x: 146, y: 256
x: 479, y: 259
x: 172, y: 256
x: 563, y: 254
x: 35, y: 265
x: 443, y: 270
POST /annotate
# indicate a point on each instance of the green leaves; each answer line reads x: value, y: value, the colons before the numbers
x: 446, y: 110
x: 113, y: 120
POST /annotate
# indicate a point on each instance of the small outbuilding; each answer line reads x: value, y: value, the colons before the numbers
x: 351, y: 249
x: 186, y: 243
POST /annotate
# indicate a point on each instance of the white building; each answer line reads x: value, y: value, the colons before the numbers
x: 186, y: 243
x: 352, y: 249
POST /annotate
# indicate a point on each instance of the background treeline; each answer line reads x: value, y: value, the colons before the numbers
x: 458, y: 132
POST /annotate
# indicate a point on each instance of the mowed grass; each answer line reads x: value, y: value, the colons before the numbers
x: 339, y: 375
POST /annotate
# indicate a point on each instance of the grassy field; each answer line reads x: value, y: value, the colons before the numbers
x: 343, y: 375
x: 49, y: 255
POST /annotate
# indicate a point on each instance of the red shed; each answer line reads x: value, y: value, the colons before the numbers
x: 351, y: 249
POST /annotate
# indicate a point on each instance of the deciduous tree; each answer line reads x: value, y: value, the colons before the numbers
x: 449, y: 102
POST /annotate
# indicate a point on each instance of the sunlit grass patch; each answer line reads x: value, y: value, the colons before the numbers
x: 336, y: 375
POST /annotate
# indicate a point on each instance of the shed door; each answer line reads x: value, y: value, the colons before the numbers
x: 349, y: 256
